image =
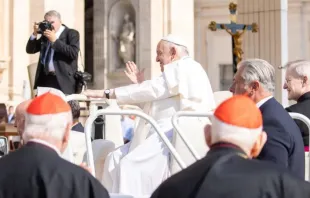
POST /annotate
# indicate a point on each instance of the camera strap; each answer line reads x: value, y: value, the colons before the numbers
x: 80, y: 64
x: 82, y: 68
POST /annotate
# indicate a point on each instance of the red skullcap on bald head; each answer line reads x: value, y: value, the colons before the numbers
x: 239, y: 111
x: 48, y: 103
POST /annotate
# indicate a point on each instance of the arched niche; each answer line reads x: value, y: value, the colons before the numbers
x: 116, y: 22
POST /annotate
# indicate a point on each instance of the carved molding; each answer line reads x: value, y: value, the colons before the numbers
x: 4, y: 63
x: 220, y: 7
x: 3, y: 66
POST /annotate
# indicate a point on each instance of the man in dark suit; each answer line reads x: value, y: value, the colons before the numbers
x: 234, y: 138
x: 44, y: 173
x: 59, y: 49
x: 11, y: 115
x: 76, y: 111
x: 255, y: 78
x: 297, y: 84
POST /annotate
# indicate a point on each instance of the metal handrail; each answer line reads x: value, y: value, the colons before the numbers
x: 304, y: 119
x: 78, y: 97
x: 175, y: 118
x: 296, y: 116
x: 92, y: 117
x: 83, y: 98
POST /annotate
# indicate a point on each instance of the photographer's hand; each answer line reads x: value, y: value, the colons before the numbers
x: 35, y: 29
x: 50, y: 35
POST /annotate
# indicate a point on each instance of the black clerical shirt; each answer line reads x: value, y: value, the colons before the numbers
x: 237, y: 177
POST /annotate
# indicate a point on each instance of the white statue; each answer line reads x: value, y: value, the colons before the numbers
x: 126, y: 39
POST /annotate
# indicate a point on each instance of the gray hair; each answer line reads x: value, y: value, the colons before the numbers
x: 52, y: 13
x: 260, y: 70
x: 300, y: 67
x: 51, y: 126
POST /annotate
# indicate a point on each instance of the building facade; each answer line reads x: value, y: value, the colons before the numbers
x: 284, y: 30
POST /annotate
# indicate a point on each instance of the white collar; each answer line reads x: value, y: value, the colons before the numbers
x: 184, y: 57
x: 176, y: 62
x: 261, y: 102
x: 46, y: 144
x: 61, y: 29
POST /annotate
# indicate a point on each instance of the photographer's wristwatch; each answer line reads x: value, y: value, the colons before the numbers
x: 107, y: 93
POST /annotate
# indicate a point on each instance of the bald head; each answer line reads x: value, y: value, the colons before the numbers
x: 20, y: 116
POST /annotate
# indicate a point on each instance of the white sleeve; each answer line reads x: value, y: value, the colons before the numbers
x: 147, y: 91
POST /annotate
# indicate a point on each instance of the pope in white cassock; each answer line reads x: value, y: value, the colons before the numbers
x: 138, y: 167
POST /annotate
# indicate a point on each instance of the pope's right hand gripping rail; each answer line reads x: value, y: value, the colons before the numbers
x: 94, y: 114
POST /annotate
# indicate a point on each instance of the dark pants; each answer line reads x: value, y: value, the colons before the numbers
x: 49, y: 80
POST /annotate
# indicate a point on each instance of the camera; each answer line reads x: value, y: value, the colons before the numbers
x: 81, y: 80
x: 44, y: 25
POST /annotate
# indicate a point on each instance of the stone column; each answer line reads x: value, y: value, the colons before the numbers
x: 5, y: 57
x: 100, y: 42
x: 21, y: 30
x: 182, y: 21
x: 36, y: 14
x: 159, y: 21
x: 165, y: 17
x: 271, y: 42
x: 79, y: 25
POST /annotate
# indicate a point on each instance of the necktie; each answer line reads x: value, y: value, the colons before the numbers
x: 45, y: 59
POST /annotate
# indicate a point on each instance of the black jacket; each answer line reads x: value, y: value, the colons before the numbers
x: 236, y: 178
x: 303, y: 107
x: 284, y: 144
x: 66, y: 48
x: 37, y: 171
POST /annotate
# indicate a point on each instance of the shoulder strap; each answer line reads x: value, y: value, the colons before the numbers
x: 212, y: 171
x: 80, y: 66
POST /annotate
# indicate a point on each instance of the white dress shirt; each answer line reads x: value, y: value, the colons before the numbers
x: 261, y: 102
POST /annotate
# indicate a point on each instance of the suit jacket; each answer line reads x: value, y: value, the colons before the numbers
x: 37, y: 171
x: 65, y: 59
x: 303, y: 107
x: 284, y: 144
x: 235, y: 178
x: 78, y: 127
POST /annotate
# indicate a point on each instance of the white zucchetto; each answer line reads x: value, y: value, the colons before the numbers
x: 174, y: 39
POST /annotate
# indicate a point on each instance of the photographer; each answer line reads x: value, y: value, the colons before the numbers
x: 59, y: 48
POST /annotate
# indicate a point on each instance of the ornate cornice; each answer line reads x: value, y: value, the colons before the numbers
x: 220, y: 7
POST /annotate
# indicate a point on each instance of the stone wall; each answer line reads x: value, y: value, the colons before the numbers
x: 214, y: 48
